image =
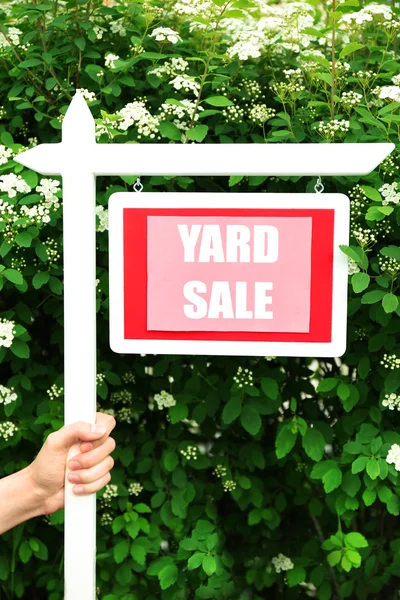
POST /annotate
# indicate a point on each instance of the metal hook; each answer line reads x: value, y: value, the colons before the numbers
x: 138, y: 187
x: 319, y: 186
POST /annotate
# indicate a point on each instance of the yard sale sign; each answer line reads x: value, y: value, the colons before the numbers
x: 228, y: 274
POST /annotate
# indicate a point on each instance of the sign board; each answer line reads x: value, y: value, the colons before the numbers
x: 228, y: 274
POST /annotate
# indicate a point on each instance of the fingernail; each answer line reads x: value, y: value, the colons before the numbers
x: 78, y: 489
x: 99, y: 429
x: 73, y: 478
x: 74, y: 465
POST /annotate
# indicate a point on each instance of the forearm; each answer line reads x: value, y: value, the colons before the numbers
x: 19, y: 500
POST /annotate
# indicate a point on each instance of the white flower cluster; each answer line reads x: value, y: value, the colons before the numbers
x: 134, y: 489
x: 185, y: 83
x: 282, y: 563
x: 175, y: 66
x: 165, y: 34
x: 373, y: 13
x: 220, y: 471
x: 191, y: 453
x: 102, y: 214
x: 106, y: 519
x: 89, y: 96
x: 390, y: 361
x: 7, y: 430
x: 393, y: 457
x: 6, y: 210
x: 12, y: 38
x: 365, y: 237
x: 358, y: 203
x: 117, y: 27
x: 110, y: 492
x: 100, y: 378
x: 183, y: 112
x: 350, y: 99
x: 128, y: 377
x: 99, y: 31
x: 284, y: 89
x: 333, y: 128
x: 136, y: 113
x: 154, y: 12
x: 391, y: 401
x: 389, y: 265
x: 164, y: 400
x: 13, y: 184
x: 124, y: 397
x: 353, y: 266
x: 243, y: 377
x: 124, y: 415
x: 194, y: 8
x: 233, y: 113
x: 229, y: 485
x: 252, y: 88
x: 7, y: 332
x: 53, y: 254
x: 388, y: 166
x: 110, y: 60
x: 40, y: 213
x: 261, y: 113
x: 390, y: 92
x: 5, y: 154
x: 246, y: 48
x: 390, y: 193
x: 55, y: 392
x: 7, y: 395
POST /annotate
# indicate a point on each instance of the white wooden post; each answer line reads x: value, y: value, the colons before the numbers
x: 79, y: 159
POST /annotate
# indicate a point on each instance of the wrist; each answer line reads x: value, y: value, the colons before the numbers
x: 36, y: 497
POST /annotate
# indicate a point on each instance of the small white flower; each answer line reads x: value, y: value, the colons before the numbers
x: 353, y: 266
x: 89, y: 96
x: 110, y: 60
x: 393, y: 457
x: 5, y: 154
x: 7, y: 395
x: 7, y: 333
x: 135, y: 489
x: 282, y: 563
x: 13, y: 184
x: 7, y: 430
x: 164, y: 400
x: 102, y: 213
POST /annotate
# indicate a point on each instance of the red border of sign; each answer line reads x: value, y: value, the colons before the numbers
x: 135, y: 275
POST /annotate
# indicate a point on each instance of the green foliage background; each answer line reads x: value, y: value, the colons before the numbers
x: 291, y: 462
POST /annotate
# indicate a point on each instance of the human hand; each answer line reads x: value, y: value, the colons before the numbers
x: 90, y: 470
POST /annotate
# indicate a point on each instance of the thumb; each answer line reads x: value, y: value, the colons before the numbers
x: 79, y: 431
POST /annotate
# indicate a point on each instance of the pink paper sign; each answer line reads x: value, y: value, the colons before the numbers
x: 229, y: 273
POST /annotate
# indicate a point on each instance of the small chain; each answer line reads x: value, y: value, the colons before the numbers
x: 138, y: 187
x: 319, y: 186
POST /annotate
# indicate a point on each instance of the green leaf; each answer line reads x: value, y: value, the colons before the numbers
x: 31, y: 62
x: 332, y: 479
x: 170, y: 460
x: 168, y: 576
x: 23, y: 239
x: 198, y: 133
x: 356, y: 540
x: 121, y: 551
x: 20, y: 348
x: 314, y: 443
x: 80, y: 43
x: 40, y: 279
x: 373, y: 468
x: 270, y: 388
x: 334, y: 558
x: 195, y: 560
x: 327, y: 385
x: 295, y: 576
x: 232, y: 410
x: 371, y: 193
x: 350, y: 48
x: 142, y: 508
x: 369, y: 497
x: 170, y: 131
x: 218, y: 101
x: 391, y: 252
x: 360, y: 282
x: 25, y: 552
x: 209, y: 565
x: 235, y: 179
x: 285, y: 441
x: 390, y: 303
x: 250, y: 420
x: 14, y: 276
x: 178, y: 412
x: 138, y: 553
x: 364, y: 367
x: 351, y: 252
x: 212, y: 541
x: 359, y: 464
x: 373, y: 297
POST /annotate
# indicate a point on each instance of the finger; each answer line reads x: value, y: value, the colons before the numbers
x: 93, y: 474
x: 108, y: 422
x: 86, y: 446
x: 71, y: 434
x: 93, y: 457
x: 91, y: 488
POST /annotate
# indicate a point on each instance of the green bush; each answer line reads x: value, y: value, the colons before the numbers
x: 235, y: 478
